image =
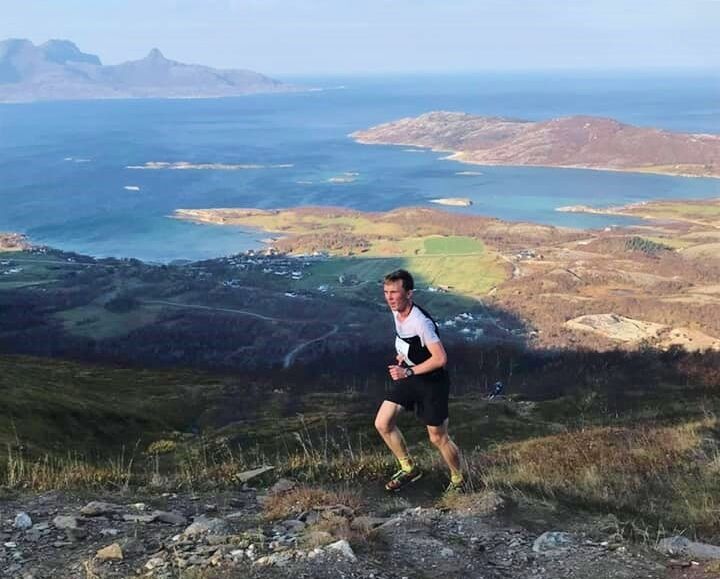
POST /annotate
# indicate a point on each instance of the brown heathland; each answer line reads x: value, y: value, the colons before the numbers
x: 580, y: 142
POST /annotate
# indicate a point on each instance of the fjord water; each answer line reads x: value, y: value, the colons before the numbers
x: 64, y: 165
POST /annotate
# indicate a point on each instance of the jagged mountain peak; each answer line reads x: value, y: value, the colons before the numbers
x: 155, y: 54
x: 62, y: 51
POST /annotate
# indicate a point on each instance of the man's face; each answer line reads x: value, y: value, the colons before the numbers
x: 397, y: 297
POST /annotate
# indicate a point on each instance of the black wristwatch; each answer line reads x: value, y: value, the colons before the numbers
x: 409, y: 372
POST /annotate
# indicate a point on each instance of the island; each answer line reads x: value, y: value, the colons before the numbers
x: 453, y: 201
x: 186, y: 166
x: 580, y: 142
x: 59, y: 70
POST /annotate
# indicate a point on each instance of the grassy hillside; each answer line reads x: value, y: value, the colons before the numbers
x: 54, y: 406
x: 647, y: 454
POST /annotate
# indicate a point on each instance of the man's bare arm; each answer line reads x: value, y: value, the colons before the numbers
x: 437, y: 359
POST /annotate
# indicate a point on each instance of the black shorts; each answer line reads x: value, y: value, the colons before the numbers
x: 426, y: 395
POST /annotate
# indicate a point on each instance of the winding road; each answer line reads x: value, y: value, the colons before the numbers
x: 289, y: 357
x: 292, y: 354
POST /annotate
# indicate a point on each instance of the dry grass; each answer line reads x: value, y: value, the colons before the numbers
x: 586, y: 456
x: 338, y: 468
x: 472, y: 503
x: 90, y: 570
x: 304, y: 498
x: 69, y: 472
x: 200, y: 465
x: 656, y: 476
x: 337, y: 511
x: 661, y: 475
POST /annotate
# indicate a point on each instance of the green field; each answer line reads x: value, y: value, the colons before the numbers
x: 35, y: 270
x: 453, y: 245
x: 465, y: 275
x: 459, y: 264
x: 95, y: 321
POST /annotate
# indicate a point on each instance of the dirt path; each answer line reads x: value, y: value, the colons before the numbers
x: 292, y: 354
x: 226, y: 310
x: 223, y: 535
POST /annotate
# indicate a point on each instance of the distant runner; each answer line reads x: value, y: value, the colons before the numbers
x: 421, y: 384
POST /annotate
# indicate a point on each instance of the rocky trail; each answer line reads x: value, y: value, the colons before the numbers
x: 227, y: 534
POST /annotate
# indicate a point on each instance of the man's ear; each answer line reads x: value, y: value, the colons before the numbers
x: 410, y: 293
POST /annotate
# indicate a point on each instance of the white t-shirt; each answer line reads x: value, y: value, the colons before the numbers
x: 414, y: 333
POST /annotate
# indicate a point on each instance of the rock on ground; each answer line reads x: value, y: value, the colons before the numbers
x: 228, y: 538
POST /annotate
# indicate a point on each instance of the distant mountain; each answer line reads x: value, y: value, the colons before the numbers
x: 579, y: 141
x: 59, y: 70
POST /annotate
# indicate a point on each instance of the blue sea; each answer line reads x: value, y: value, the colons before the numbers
x: 65, y: 181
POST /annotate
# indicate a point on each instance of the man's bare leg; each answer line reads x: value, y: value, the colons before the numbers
x: 386, y: 425
x: 448, y: 449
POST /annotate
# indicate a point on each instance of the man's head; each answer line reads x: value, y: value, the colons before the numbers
x: 398, y: 287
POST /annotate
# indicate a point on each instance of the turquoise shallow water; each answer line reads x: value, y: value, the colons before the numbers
x: 63, y: 166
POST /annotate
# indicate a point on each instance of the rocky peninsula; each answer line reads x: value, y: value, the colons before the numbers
x: 13, y: 242
x: 581, y: 142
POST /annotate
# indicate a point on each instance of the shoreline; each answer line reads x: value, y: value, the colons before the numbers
x: 266, y: 238
x: 458, y: 157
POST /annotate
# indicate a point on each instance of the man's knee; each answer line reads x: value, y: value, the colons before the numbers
x: 384, y: 425
x: 440, y: 438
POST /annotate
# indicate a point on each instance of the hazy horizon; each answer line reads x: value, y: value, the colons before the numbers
x: 321, y: 37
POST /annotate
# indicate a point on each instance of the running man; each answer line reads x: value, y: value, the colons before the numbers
x: 420, y: 384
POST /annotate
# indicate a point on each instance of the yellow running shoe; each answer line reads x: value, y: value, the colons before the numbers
x: 402, y: 478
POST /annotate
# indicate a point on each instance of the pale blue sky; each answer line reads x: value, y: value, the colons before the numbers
x: 330, y: 36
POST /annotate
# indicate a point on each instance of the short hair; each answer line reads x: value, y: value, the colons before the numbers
x: 403, y: 275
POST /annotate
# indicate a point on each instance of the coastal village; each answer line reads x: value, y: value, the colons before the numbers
x: 283, y: 273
